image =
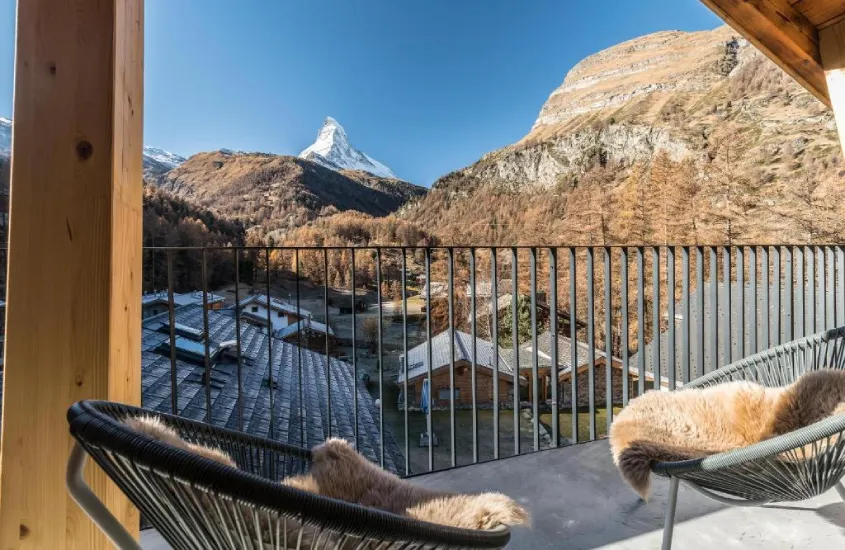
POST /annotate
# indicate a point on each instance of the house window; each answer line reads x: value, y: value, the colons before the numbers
x: 255, y: 309
x: 443, y: 394
x: 281, y: 314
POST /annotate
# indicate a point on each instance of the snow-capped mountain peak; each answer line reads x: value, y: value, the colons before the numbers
x: 332, y: 150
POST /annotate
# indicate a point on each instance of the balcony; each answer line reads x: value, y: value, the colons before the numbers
x: 310, y: 366
x: 627, y: 319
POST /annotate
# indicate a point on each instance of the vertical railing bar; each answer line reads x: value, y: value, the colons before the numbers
x: 840, y: 286
x: 671, y: 358
x: 685, y: 312
x: 494, y: 332
x: 778, y: 312
x: 326, y: 315
x: 655, y: 317
x: 810, y: 302
x: 767, y: 291
x: 301, y: 408
x: 820, y: 292
x: 474, y: 366
x: 626, y: 372
x: 237, y: 252
x: 798, y: 254
x: 553, y: 325
x: 608, y: 337
x: 206, y: 337
x: 429, y: 359
x: 641, y: 319
x: 789, y: 291
x: 831, y: 313
x: 699, y: 302
x: 591, y: 340
x: 727, y: 308
x: 354, y: 349
x: 380, y: 359
x: 515, y: 336
x: 754, y: 315
x: 740, y: 309
x: 714, y: 309
x: 171, y: 312
x: 535, y: 357
x: 405, y: 357
x: 272, y: 381
x: 452, y: 436
x: 573, y: 341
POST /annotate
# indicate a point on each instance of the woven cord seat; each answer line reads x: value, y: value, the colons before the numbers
x: 791, y: 467
x: 197, y: 503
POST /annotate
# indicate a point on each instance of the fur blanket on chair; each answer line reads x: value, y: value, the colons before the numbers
x: 338, y: 471
x: 662, y: 426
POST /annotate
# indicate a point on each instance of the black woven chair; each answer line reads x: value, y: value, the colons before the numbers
x: 792, y: 467
x: 196, y: 503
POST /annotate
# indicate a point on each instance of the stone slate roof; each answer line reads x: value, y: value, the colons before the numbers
x: 440, y: 353
x: 275, y: 304
x: 306, y: 430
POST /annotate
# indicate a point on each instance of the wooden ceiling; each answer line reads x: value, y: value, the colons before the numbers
x: 789, y: 32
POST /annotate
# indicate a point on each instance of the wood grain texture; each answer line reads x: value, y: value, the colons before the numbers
x: 833, y: 59
x: 782, y: 33
x: 820, y: 12
x: 74, y: 285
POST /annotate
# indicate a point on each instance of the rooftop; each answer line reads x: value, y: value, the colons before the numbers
x: 441, y: 354
x: 156, y: 382
x: 179, y: 298
x: 275, y: 304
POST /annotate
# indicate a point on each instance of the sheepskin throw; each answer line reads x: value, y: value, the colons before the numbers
x: 662, y: 426
x: 338, y: 471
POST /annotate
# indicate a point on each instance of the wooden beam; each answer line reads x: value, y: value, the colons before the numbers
x: 74, y: 271
x: 833, y: 59
x: 782, y: 33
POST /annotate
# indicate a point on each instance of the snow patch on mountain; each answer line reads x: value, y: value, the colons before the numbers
x: 5, y: 137
x: 162, y: 157
x: 332, y: 150
x: 156, y: 161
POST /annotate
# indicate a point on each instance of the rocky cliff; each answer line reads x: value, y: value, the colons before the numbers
x: 672, y: 112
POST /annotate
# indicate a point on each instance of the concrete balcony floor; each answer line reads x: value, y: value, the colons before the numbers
x: 577, y: 500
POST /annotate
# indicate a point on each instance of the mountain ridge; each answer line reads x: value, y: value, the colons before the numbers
x: 274, y: 194
x: 634, y: 128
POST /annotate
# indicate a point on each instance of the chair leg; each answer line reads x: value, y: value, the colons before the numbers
x: 669, y: 523
x: 840, y: 488
x: 93, y: 506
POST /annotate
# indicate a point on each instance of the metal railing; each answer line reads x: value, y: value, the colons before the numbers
x: 492, y: 331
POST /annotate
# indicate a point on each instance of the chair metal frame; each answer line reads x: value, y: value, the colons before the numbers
x: 791, y: 467
x: 197, y: 503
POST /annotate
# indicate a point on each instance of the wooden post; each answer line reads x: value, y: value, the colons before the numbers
x: 832, y: 46
x: 74, y: 271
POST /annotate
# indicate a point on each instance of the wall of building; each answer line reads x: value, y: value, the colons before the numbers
x: 463, y: 384
x: 565, y: 388
x: 280, y: 319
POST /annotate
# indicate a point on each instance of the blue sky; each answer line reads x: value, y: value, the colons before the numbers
x: 424, y: 87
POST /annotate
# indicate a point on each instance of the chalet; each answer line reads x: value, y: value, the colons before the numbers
x: 156, y: 302
x: 416, y: 370
x: 309, y: 334
x: 257, y: 310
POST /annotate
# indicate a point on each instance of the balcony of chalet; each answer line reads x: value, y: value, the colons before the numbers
x: 494, y: 368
